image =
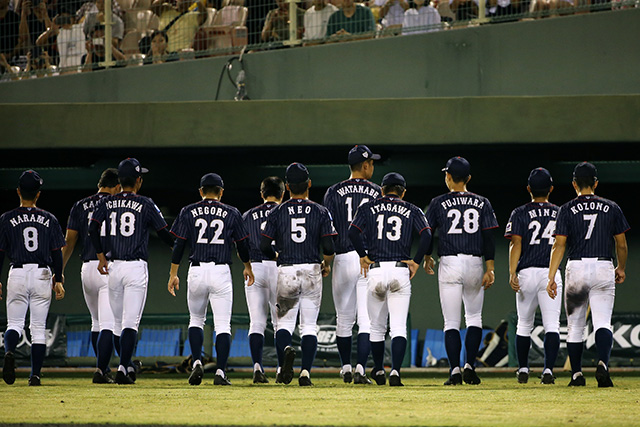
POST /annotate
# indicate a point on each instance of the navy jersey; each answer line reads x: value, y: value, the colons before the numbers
x: 535, y: 222
x: 210, y: 228
x: 255, y: 220
x: 28, y: 235
x: 128, y: 217
x: 79, y: 219
x: 388, y: 224
x: 590, y: 222
x: 342, y: 200
x: 297, y: 226
x: 460, y: 217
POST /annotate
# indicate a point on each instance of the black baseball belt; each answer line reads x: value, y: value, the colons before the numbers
x: 21, y: 265
x: 398, y: 264
x: 598, y: 258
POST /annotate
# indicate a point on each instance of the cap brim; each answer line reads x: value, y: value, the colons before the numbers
x: 143, y: 170
x: 375, y: 157
x: 445, y: 169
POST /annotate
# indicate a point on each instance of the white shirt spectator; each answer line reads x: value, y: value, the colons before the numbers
x: 71, y: 46
x: 394, y: 16
x: 423, y: 20
x: 315, y: 22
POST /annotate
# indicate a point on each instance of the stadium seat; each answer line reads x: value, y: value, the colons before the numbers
x: 129, y: 44
x: 434, y: 344
x: 126, y: 5
x: 414, y: 346
x: 159, y: 342
x: 79, y: 343
x: 143, y: 4
x: 142, y: 21
x: 240, y: 344
x: 227, y: 30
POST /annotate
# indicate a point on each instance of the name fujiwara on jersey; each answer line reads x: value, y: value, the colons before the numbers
x: 28, y: 235
x: 79, y: 219
x: 343, y: 199
x: 590, y: 222
x: 210, y: 227
x: 535, y: 222
x: 460, y: 217
x: 127, y: 218
x: 297, y: 226
x: 255, y: 220
x: 387, y: 224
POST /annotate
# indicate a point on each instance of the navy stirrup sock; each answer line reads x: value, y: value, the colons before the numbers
x: 309, y: 344
x: 472, y: 344
x: 453, y: 345
x: 377, y: 351
x: 256, y: 344
x: 551, y: 348
x: 364, y: 348
x: 604, y: 342
x: 344, y: 349
x: 223, y: 346
x: 105, y: 348
x: 11, y: 338
x: 398, y: 349
x: 523, y: 344
x: 127, y: 345
x: 38, y: 352
x: 94, y: 341
x: 196, y: 339
x: 575, y: 356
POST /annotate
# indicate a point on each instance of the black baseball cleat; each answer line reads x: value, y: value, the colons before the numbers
x: 196, y: 375
x: 454, y: 379
x: 259, y: 377
x: 470, y: 377
x: 378, y: 376
x: 279, y: 378
x: 603, y: 377
x: 361, y: 379
x: 136, y: 365
x: 100, y: 378
x: 287, y: 367
x: 304, y: 381
x: 578, y: 381
x: 394, y: 381
x: 220, y: 380
x: 523, y: 377
x: 34, y: 380
x: 347, y: 377
x: 547, y: 379
x: 9, y: 368
x: 123, y: 379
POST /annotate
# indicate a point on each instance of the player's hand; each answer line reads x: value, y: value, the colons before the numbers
x: 552, y: 289
x: 514, y: 282
x: 365, y: 262
x: 488, y: 279
x: 249, y: 277
x: 103, y: 266
x: 413, y: 267
x: 59, y: 290
x: 428, y: 265
x: 173, y: 285
x: 620, y: 275
x: 0, y: 291
x: 326, y: 269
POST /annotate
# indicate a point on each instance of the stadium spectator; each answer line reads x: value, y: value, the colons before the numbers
x: 70, y: 40
x: 392, y: 14
x: 316, y: 19
x: 94, y: 17
x: 421, y: 19
x: 96, y: 50
x: 276, y: 24
x: 504, y: 10
x: 9, y: 34
x: 92, y: 7
x: 353, y: 19
x: 464, y: 10
x: 159, y: 53
x: 182, y: 21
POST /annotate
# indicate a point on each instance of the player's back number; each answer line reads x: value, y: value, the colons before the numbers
x: 392, y: 226
x: 30, y: 235
x: 467, y: 221
x: 217, y: 225
x: 547, y: 233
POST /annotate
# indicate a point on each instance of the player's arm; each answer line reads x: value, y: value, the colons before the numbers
x: 165, y: 235
x: 56, y: 256
x: 242, y: 246
x: 267, y: 248
x: 489, y: 253
x: 71, y: 238
x: 621, y: 255
x: 1, y: 264
x: 94, y: 234
x: 515, y: 251
x: 176, y: 257
x: 355, y: 235
x: 423, y: 246
x: 328, y: 253
x: 557, y: 252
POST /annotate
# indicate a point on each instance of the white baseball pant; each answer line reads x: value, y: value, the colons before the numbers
x: 261, y: 296
x: 128, y: 281
x: 349, y: 288
x: 299, y: 290
x: 210, y: 283
x: 460, y: 281
x: 533, y: 293
x: 95, y: 287
x: 388, y: 297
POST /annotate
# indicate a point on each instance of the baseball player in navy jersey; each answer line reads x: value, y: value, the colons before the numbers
x: 95, y: 286
x: 349, y: 286
x: 590, y: 228
x: 127, y: 217
x: 388, y: 225
x: 299, y: 227
x: 210, y: 228
x: 530, y: 229
x: 261, y: 296
x: 32, y: 240
x: 464, y: 221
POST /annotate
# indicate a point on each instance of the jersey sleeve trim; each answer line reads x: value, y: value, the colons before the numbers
x: 617, y: 234
x: 330, y: 234
x: 353, y: 225
x: 491, y: 228
x: 245, y: 237
x: 266, y: 235
x: 178, y: 236
x: 425, y: 228
x: 163, y: 227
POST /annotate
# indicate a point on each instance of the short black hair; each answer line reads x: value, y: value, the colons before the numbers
x: 585, y: 181
x: 298, y: 188
x: 95, y: 28
x: 160, y: 32
x: 540, y: 193
x: 28, y: 194
x: 272, y: 187
x: 395, y: 189
x: 128, y: 182
x: 458, y: 179
x: 109, y: 178
x: 358, y: 166
x: 211, y: 189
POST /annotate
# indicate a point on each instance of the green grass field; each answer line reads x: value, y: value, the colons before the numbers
x: 167, y: 399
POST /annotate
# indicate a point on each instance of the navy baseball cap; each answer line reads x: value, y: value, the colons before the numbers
x: 211, y: 180
x: 585, y: 170
x: 457, y: 166
x: 296, y: 173
x: 394, y: 178
x: 540, y: 179
x: 360, y: 153
x: 30, y: 181
x: 130, y: 168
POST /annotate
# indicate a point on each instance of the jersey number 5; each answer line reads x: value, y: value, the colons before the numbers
x: 298, y: 232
